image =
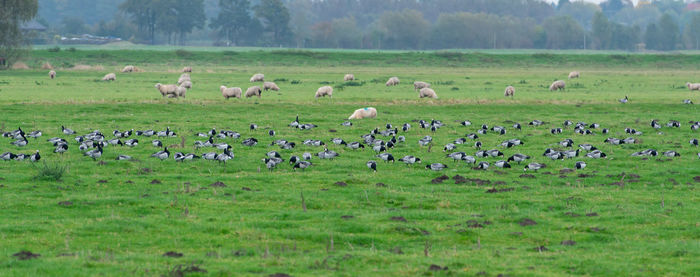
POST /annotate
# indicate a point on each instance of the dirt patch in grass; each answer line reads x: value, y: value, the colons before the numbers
x: 566, y: 171
x: 182, y: 270
x: 341, y: 184
x: 347, y: 217
x: 696, y: 179
x: 592, y: 214
x: 440, y: 179
x: 434, y: 267
x: 517, y: 234
x: 582, y: 175
x: 25, y: 255
x: 398, y: 218
x: 572, y: 214
x: 499, y: 172
x: 102, y: 181
x: 380, y: 185
x: 218, y: 185
x: 129, y: 182
x: 527, y: 222
x: 332, y: 131
x: 396, y: 250
x: 172, y: 254
x: 145, y: 170
x: 568, y: 242
x: 155, y: 182
x: 246, y: 188
x: 529, y: 176
x: 65, y: 203
x: 279, y: 275
x: 495, y: 190
x: 540, y: 248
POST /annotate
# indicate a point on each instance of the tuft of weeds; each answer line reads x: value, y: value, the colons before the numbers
x: 51, y: 172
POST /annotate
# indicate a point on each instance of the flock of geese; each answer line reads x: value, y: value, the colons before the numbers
x: 380, y: 140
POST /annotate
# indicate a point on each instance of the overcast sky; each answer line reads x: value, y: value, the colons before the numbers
x: 593, y: 1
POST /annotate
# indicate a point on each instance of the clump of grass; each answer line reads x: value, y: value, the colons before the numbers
x: 325, y: 83
x: 295, y: 82
x: 183, y: 53
x: 353, y: 84
x: 54, y: 49
x: 72, y: 49
x: 577, y: 85
x: 454, y: 88
x: 230, y: 53
x: 488, y: 83
x: 467, y: 77
x: 376, y: 81
x: 51, y: 172
x: 280, y: 80
x: 522, y: 82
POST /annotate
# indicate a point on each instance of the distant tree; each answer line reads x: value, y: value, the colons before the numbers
x: 190, y: 15
x: 582, y: 12
x: 145, y: 14
x: 691, y: 32
x: 275, y: 18
x: 117, y: 27
x: 73, y: 25
x: 641, y: 16
x: 611, y: 7
x: 234, y: 20
x: 563, y: 3
x: 403, y: 30
x: 345, y: 33
x: 12, y: 40
x: 601, y: 33
x: 302, y: 19
x: 669, y: 33
x: 652, y: 37
x: 563, y: 32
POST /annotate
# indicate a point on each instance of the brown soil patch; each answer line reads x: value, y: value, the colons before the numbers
x: 65, y: 203
x: 380, y: 185
x: 341, y: 184
x: 155, y: 182
x: 572, y: 214
x: 568, y: 242
x: 218, y: 185
x: 25, y: 255
x: 246, y: 188
x: 434, y: 267
x: 494, y: 190
x: 172, y: 254
x: 347, y: 217
x: 529, y: 176
x: 592, y: 214
x: 527, y: 222
x: 102, y: 181
x: 398, y: 218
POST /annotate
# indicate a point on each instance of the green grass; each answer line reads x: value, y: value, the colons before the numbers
x: 111, y: 218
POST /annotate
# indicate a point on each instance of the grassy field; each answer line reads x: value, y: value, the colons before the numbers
x: 621, y: 215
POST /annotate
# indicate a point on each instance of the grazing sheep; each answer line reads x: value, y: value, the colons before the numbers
x: 234, y: 92
x: 187, y: 69
x: 574, y: 74
x: 270, y: 86
x: 393, y: 81
x: 253, y: 91
x: 368, y: 112
x: 257, y: 78
x: 180, y: 91
x: 510, y: 91
x: 186, y: 84
x: 110, y: 77
x: 691, y: 86
x: 167, y: 90
x: 128, y: 69
x: 557, y: 85
x: 428, y: 92
x: 324, y: 91
x: 349, y: 77
x: 183, y: 78
x: 52, y: 74
x: 418, y: 85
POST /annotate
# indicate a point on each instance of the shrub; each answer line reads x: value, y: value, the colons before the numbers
x: 183, y: 53
x: 51, y: 172
x: 55, y: 49
x: 296, y: 82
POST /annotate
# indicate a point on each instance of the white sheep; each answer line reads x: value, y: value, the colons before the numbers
x: 693, y: 86
x: 187, y: 69
x: 234, y: 92
x: 349, y: 77
x: 52, y: 74
x: 253, y: 91
x: 257, y: 78
x: 418, y: 85
x: 510, y: 91
x: 428, y: 92
x: 180, y: 91
x: 324, y: 91
x: 167, y: 90
x: 128, y: 69
x: 393, y: 81
x: 368, y: 112
x: 574, y: 74
x: 186, y: 84
x: 557, y: 85
x: 110, y: 77
x: 270, y: 86
x: 183, y: 78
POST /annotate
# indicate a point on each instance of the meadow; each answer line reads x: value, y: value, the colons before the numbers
x: 621, y: 215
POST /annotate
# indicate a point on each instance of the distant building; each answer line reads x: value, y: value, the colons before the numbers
x: 32, y: 26
x: 693, y: 6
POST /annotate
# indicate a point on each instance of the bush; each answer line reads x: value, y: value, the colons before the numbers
x: 72, y: 49
x: 183, y: 53
x: 280, y: 80
x: 296, y: 82
x: 52, y: 172
x: 55, y: 49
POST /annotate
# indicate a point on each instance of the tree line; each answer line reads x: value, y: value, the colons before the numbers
x: 400, y: 24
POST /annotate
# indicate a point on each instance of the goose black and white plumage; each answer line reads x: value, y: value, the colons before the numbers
x: 227, y: 155
x: 596, y: 154
x: 555, y: 131
x: 482, y: 131
x: 95, y: 153
x: 271, y: 163
x: 472, y: 136
x: 580, y: 165
x: 466, y: 123
x: 567, y: 143
x: 132, y: 142
x: 303, y: 165
x: 481, y: 154
x: 221, y: 146
x: 406, y: 127
x: 293, y: 160
x: 67, y: 131
x: 162, y: 155
x: 587, y: 147
x: 436, y: 166
x: 115, y: 141
x: 379, y: 148
x: 648, y: 152
x: 274, y: 154
x: 20, y: 142
x: 518, y: 158
x: 694, y: 142
x: 502, y: 164
x: 518, y: 126
x: 7, y: 156
x: 499, y: 130
x: 695, y: 127
x: 534, y: 166
x: 483, y: 165
x: 568, y: 123
x: 295, y: 123
x: 425, y: 141
x: 460, y: 141
x: 157, y: 143
x: 327, y: 154
x: 271, y: 133
x: 372, y: 165
x: 307, y: 126
x: 671, y: 153
x: 61, y: 148
x: 409, y: 160
x: 536, y: 122
x: 555, y: 155
x: 630, y: 140
x: 570, y: 154
x: 346, y: 124
x: 655, y: 124
x: 21, y: 157
x: 386, y: 157
x: 123, y: 158
x: 624, y: 100
x: 35, y: 157
x: 355, y: 145
x: 306, y: 156
x: 605, y: 131
x: 288, y: 145
x: 210, y: 156
x: 687, y: 102
x: 457, y: 156
x: 35, y: 134
x: 673, y: 124
x: 250, y: 142
x: 494, y: 153
x: 146, y: 133
x: 477, y: 145
x: 449, y: 147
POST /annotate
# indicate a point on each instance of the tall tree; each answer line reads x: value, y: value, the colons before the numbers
x: 404, y: 30
x: 190, y: 15
x: 275, y: 18
x: 563, y: 32
x: 692, y: 32
x: 12, y: 41
x: 669, y: 33
x: 652, y: 37
x: 601, y: 32
x: 145, y: 14
x: 234, y: 20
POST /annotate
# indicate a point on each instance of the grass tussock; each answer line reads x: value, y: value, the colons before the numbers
x: 51, y: 171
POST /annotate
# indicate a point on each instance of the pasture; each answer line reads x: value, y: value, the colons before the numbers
x: 621, y: 215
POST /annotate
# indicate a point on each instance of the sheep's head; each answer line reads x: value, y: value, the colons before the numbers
x: 158, y: 85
